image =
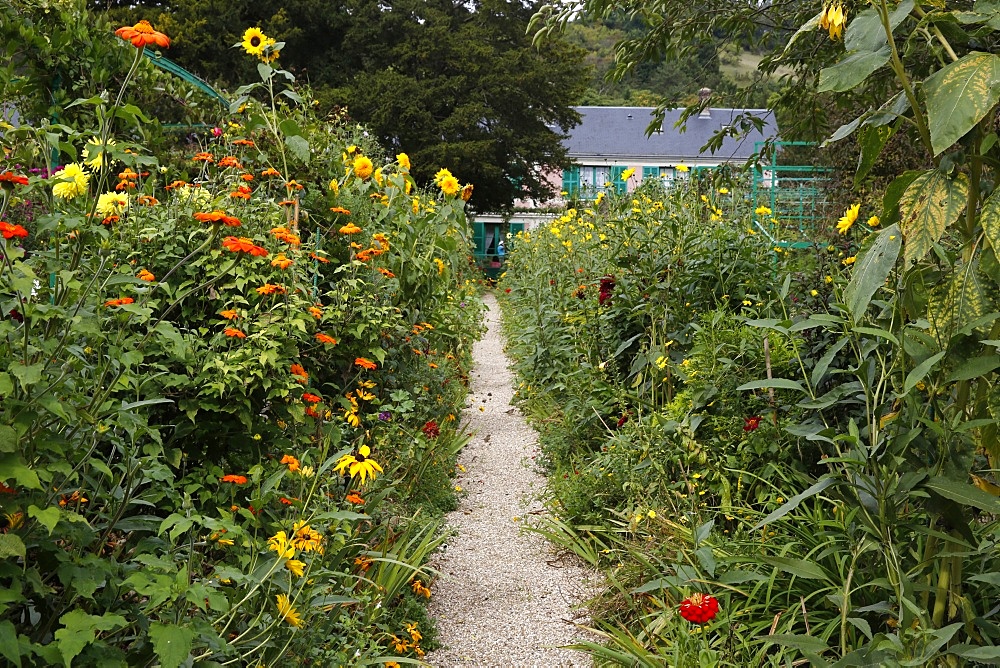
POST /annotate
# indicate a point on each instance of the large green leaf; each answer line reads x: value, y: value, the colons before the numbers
x: 959, y: 95
x: 171, y: 643
x: 965, y: 494
x: 877, y: 258
x: 852, y: 70
x: 871, y: 140
x: 958, y: 302
x: 931, y: 203
x: 989, y: 216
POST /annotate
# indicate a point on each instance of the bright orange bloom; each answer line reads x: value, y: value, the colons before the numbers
x: 142, y: 35
x: 10, y: 231
x: 365, y: 255
x: 354, y: 498
x: 229, y: 314
x: 247, y: 177
x: 365, y: 363
x: 177, y: 184
x: 286, y: 202
x: 294, y: 185
x: 385, y: 272
x: 121, y: 301
x: 232, y: 331
x: 271, y: 289
x: 312, y: 412
x: 319, y: 258
x: 282, y: 262
x: 316, y: 312
x: 243, y: 245
x: 203, y: 156
x: 350, y: 228
x: 124, y: 185
x: 311, y: 398
x: 230, y: 161
x: 325, y: 338
x: 146, y: 275
x: 286, y: 235
x: 340, y: 209
x: 217, y: 217
x: 291, y: 462
x: 128, y: 175
x: 285, y: 502
x: 299, y: 370
x: 235, y: 479
x: 12, y: 178
x: 242, y: 192
x: 270, y: 171
x: 243, y: 142
x: 108, y: 220
x: 147, y: 200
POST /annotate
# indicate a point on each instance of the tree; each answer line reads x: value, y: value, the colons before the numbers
x: 452, y: 84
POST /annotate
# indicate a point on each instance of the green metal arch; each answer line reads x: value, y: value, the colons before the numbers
x: 165, y: 63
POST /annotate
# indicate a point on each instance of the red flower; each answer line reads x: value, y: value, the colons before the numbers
x: 121, y: 301
x: 9, y: 231
x: 699, y: 608
x: 312, y: 412
x: 607, y: 286
x: 311, y: 398
x: 235, y: 479
x: 12, y: 178
x: 751, y: 423
x: 232, y: 331
x: 431, y: 429
x: 365, y: 363
x: 622, y: 420
x: 326, y: 338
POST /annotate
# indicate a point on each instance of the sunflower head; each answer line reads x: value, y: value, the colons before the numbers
x: 254, y: 41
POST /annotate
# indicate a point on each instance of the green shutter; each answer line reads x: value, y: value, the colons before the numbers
x: 619, y: 186
x: 571, y: 180
x: 515, y: 228
x: 479, y: 238
x: 650, y: 173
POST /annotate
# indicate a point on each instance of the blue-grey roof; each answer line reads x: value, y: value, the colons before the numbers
x: 619, y: 133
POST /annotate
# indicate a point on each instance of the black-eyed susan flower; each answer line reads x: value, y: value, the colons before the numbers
x: 360, y: 465
x: 288, y: 611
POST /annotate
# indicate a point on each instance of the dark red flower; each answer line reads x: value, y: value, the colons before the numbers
x: 622, y: 420
x: 751, y: 423
x: 431, y: 429
x: 607, y: 286
x: 699, y: 608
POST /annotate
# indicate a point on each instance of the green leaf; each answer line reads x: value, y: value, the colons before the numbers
x: 928, y: 206
x: 920, y: 371
x: 798, y: 641
x: 9, y: 647
x: 894, y: 193
x: 11, y: 545
x: 852, y: 70
x: 6, y: 384
x: 299, y: 147
x: 80, y: 630
x: 980, y: 654
x: 871, y: 140
x: 171, y: 643
x: 975, y: 367
x: 819, y: 371
x: 265, y: 71
x: 960, y: 301
x: 48, y: 518
x: 26, y: 375
x: 8, y: 439
x: 965, y: 494
x: 989, y: 216
x: 781, y: 383
x: 289, y: 128
x: 801, y: 568
x: 13, y: 467
x: 959, y: 95
x: 877, y: 258
x: 792, y: 503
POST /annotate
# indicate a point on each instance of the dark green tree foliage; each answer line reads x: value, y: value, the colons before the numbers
x: 452, y: 84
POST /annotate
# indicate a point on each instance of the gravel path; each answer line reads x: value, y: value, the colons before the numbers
x: 504, y: 598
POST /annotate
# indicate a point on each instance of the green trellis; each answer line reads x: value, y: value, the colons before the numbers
x: 796, y: 196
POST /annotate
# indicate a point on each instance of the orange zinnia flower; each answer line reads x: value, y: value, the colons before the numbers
x: 10, y: 231
x: 282, y: 262
x: 247, y: 177
x: 12, y: 178
x: 243, y: 142
x: 299, y: 370
x: 294, y: 185
x: 243, y: 192
x: 385, y: 272
x: 312, y: 412
x: 235, y: 479
x: 326, y: 338
x: 350, y: 228
x: 229, y: 314
x: 340, y: 209
x: 176, y: 184
x: 109, y: 220
x: 316, y: 312
x: 217, y: 217
x: 142, y: 35
x: 311, y: 398
x: 365, y: 363
x: 230, y: 161
x: 121, y: 301
x: 270, y: 289
x: 270, y: 171
x: 243, y: 245
x: 146, y: 275
x: 319, y: 258
x: 354, y: 498
x: 365, y: 255
x: 147, y: 200
x: 291, y: 462
x: 232, y: 331
x: 286, y: 202
x: 203, y: 156
x: 286, y: 235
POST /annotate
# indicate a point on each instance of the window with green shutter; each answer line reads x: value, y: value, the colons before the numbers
x: 650, y: 173
x: 479, y: 238
x: 617, y: 183
x: 571, y: 181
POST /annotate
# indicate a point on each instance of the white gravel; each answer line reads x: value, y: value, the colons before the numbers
x: 504, y: 598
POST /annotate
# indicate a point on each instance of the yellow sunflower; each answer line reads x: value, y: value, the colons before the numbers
x: 254, y: 41
x: 848, y: 219
x: 288, y: 611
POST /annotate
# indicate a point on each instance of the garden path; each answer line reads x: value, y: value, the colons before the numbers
x: 504, y: 598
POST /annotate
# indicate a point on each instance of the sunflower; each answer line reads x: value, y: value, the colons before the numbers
x: 254, y: 41
x: 848, y: 219
x: 288, y: 611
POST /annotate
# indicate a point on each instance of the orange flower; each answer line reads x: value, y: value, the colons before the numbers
x: 147, y: 200
x: 281, y: 262
x: 271, y: 289
x: 128, y: 175
x: 243, y: 142
x: 340, y: 209
x: 230, y: 161
x: 299, y: 370
x: 145, y: 275
x: 10, y: 231
x: 270, y: 171
x: 243, y: 245
x: 312, y: 412
x: 291, y: 462
x: 11, y: 178
x: 235, y: 479
x: 294, y: 185
x: 385, y: 272
x: 365, y: 255
x: 350, y: 228
x: 354, y: 498
x: 247, y: 177
x: 285, y: 502
x: 232, y: 331
x: 109, y: 220
x: 203, y: 156
x: 229, y: 314
x: 365, y: 363
x: 316, y: 312
x: 324, y: 338
x: 124, y: 185
x: 242, y: 192
x: 311, y: 398
x: 121, y: 301
x: 142, y: 35
x: 286, y: 202
x: 467, y: 192
x: 319, y: 258
x: 178, y: 184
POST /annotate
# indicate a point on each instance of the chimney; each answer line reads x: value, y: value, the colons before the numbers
x: 703, y: 96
